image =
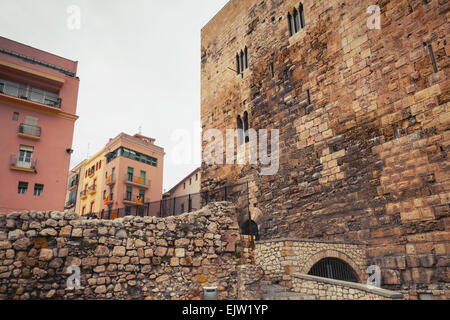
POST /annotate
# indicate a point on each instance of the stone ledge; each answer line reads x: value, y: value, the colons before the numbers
x: 359, y: 286
x: 310, y: 240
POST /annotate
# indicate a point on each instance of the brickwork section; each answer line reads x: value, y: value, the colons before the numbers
x: 366, y: 160
x: 127, y: 258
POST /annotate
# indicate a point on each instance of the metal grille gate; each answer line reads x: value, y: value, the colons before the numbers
x: 333, y: 268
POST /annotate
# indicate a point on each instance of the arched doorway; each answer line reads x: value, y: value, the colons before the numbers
x: 250, y: 228
x: 334, y: 268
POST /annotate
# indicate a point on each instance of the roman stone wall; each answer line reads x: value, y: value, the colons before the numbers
x: 282, y: 258
x: 127, y: 258
x: 367, y: 159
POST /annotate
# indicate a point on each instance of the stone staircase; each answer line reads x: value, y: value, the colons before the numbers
x: 273, y: 291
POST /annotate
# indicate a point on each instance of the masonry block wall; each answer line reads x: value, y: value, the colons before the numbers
x: 283, y: 257
x: 363, y: 116
x: 128, y: 258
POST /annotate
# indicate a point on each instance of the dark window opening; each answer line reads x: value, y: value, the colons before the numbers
x: 246, y: 134
x: 240, y: 127
x: 246, y: 57
x: 296, y: 21
x: 302, y: 16
x: 38, y: 189
x: 238, y: 65
x: 15, y: 116
x: 433, y: 59
x: 334, y: 268
x: 22, y: 188
x: 250, y: 228
x: 291, y: 25
x: 242, y: 61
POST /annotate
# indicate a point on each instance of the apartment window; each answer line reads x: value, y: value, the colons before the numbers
x: 130, y: 174
x: 127, y: 210
x: 128, y: 193
x: 83, y: 211
x: 15, y: 116
x: 184, y: 185
x: 104, y: 194
x: 142, y: 195
x: 190, y: 181
x: 38, y: 189
x: 143, y: 176
x: 22, y: 188
x: 111, y: 193
x: 25, y: 156
x: 182, y: 207
x: 196, y: 176
x: 113, y: 171
x: 100, y: 164
x: 91, y: 209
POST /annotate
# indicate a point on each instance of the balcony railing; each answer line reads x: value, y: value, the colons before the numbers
x: 83, y: 194
x: 110, y: 180
x: 30, y: 130
x: 69, y: 204
x: 17, y: 163
x: 132, y: 199
x: 28, y: 93
x: 73, y: 183
x: 92, y: 189
x: 137, y: 181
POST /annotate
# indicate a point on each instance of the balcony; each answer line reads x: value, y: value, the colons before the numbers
x: 110, y: 180
x: 29, y: 131
x: 132, y: 199
x: 69, y: 204
x: 26, y: 92
x: 25, y: 164
x: 72, y: 184
x: 83, y: 194
x: 92, y: 189
x: 137, y: 182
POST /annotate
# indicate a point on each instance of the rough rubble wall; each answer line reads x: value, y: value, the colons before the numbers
x: 127, y: 258
x: 367, y: 161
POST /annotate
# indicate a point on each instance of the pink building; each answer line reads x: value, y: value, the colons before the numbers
x: 38, y: 99
x: 133, y: 175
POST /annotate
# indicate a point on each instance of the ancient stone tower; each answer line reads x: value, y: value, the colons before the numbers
x: 363, y: 116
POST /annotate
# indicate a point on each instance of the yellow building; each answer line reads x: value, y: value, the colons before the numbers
x: 91, y: 182
x: 74, y: 187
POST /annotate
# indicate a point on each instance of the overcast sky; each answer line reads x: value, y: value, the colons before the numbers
x: 138, y: 63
